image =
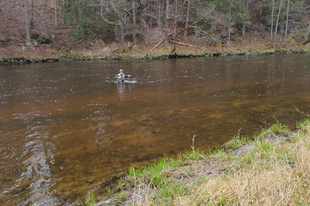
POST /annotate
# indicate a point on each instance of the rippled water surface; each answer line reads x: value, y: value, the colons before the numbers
x: 66, y: 128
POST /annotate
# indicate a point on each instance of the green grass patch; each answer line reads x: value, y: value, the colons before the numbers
x: 215, y: 152
x: 303, y: 123
x: 272, y: 130
x: 154, y: 171
x: 266, y: 148
x: 235, y: 143
x: 196, y: 155
x: 90, y: 199
x: 294, y: 139
x: 120, y: 198
x: 285, y: 156
x: 167, y: 193
x: 248, y: 159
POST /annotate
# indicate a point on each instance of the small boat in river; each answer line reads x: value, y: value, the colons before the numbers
x: 127, y: 80
x: 119, y: 81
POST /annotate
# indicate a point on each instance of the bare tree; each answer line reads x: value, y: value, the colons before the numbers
x: 277, y: 23
x: 307, y: 31
x: 286, y: 26
x: 187, y: 16
x: 192, y: 26
x: 28, y: 42
x: 271, y: 28
x: 175, y: 16
x: 229, y: 22
x: 134, y: 21
x: 101, y: 8
x: 32, y: 15
x: 56, y: 23
x: 159, y: 14
x: 246, y: 7
x: 166, y: 22
x: 123, y: 22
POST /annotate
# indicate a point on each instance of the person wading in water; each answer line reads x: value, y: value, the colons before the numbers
x: 121, y: 76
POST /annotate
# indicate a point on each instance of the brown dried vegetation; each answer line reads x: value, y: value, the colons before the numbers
x: 275, y: 172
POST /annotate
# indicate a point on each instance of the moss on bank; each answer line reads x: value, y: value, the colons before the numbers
x: 271, y: 169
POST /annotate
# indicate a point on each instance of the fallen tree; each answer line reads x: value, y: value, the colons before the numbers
x: 182, y: 44
x: 160, y: 41
x: 192, y: 26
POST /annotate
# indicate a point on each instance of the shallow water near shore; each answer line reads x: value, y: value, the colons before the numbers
x: 67, y: 128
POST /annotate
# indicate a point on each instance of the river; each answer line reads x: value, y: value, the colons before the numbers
x: 66, y: 127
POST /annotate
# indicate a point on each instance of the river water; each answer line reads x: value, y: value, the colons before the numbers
x: 66, y: 128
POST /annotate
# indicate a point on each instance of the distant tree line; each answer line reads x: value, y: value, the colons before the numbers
x: 151, y: 20
x: 155, y: 18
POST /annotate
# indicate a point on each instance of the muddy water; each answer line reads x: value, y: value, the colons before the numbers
x: 67, y: 127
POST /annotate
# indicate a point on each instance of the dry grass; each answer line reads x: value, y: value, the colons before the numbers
x: 276, y: 177
x: 271, y: 174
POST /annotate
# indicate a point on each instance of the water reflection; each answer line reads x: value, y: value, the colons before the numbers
x: 67, y: 127
x: 121, y: 90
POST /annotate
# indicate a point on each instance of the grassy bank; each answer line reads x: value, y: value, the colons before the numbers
x: 163, y: 52
x: 271, y: 169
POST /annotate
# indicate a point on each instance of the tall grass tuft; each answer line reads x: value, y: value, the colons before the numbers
x: 90, y: 199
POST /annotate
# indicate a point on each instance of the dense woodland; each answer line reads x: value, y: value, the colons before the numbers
x: 67, y: 23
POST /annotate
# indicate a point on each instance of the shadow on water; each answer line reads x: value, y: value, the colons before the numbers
x: 67, y: 127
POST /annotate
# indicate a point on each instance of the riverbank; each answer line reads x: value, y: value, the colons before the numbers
x: 144, y: 52
x: 271, y: 169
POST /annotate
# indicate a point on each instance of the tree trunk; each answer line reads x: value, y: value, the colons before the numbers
x: 286, y: 26
x: 229, y: 22
x: 122, y: 36
x: 307, y: 32
x: 246, y: 6
x: 81, y: 16
x: 271, y: 28
x: 56, y: 24
x: 166, y: 22
x: 101, y: 9
x: 159, y: 14
x: 175, y: 17
x: 32, y: 15
x: 28, y: 42
x: 134, y: 21
x: 276, y: 29
x: 187, y: 17
x: 62, y: 12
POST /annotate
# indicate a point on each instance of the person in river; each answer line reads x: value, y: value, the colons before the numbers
x: 121, y: 76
